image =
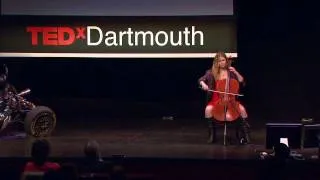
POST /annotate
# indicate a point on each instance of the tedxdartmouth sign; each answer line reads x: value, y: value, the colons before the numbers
x: 116, y: 36
x: 94, y: 36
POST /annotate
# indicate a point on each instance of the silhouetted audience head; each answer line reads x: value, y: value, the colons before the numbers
x: 40, y: 151
x: 281, y: 151
x: 92, y: 150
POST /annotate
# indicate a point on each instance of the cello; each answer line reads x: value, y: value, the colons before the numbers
x: 226, y: 108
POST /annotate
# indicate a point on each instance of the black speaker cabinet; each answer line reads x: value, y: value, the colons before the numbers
x: 290, y: 132
x: 310, y: 136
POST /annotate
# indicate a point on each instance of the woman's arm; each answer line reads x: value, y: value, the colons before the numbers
x: 205, y: 77
x: 204, y: 80
x: 238, y: 75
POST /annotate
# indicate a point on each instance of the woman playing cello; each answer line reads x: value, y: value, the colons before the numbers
x: 214, y: 77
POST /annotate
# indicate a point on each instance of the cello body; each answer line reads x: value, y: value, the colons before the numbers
x: 232, y: 112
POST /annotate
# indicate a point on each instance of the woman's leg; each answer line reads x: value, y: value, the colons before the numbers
x: 208, y: 111
x: 211, y: 124
x: 244, y: 124
x: 243, y: 112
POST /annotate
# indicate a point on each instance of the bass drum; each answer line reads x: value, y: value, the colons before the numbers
x: 40, y: 122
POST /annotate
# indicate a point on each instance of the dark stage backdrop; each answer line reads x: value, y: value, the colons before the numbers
x: 278, y: 40
x: 152, y: 88
x: 136, y: 88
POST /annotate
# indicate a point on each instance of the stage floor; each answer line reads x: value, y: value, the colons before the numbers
x: 148, y: 138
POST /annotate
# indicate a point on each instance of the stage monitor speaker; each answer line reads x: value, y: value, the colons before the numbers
x: 288, y: 133
x: 311, y: 136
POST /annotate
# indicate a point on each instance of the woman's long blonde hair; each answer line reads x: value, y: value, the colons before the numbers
x: 215, y: 66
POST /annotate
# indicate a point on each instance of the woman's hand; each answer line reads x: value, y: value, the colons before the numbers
x: 239, y: 76
x: 204, y: 86
x: 232, y: 69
